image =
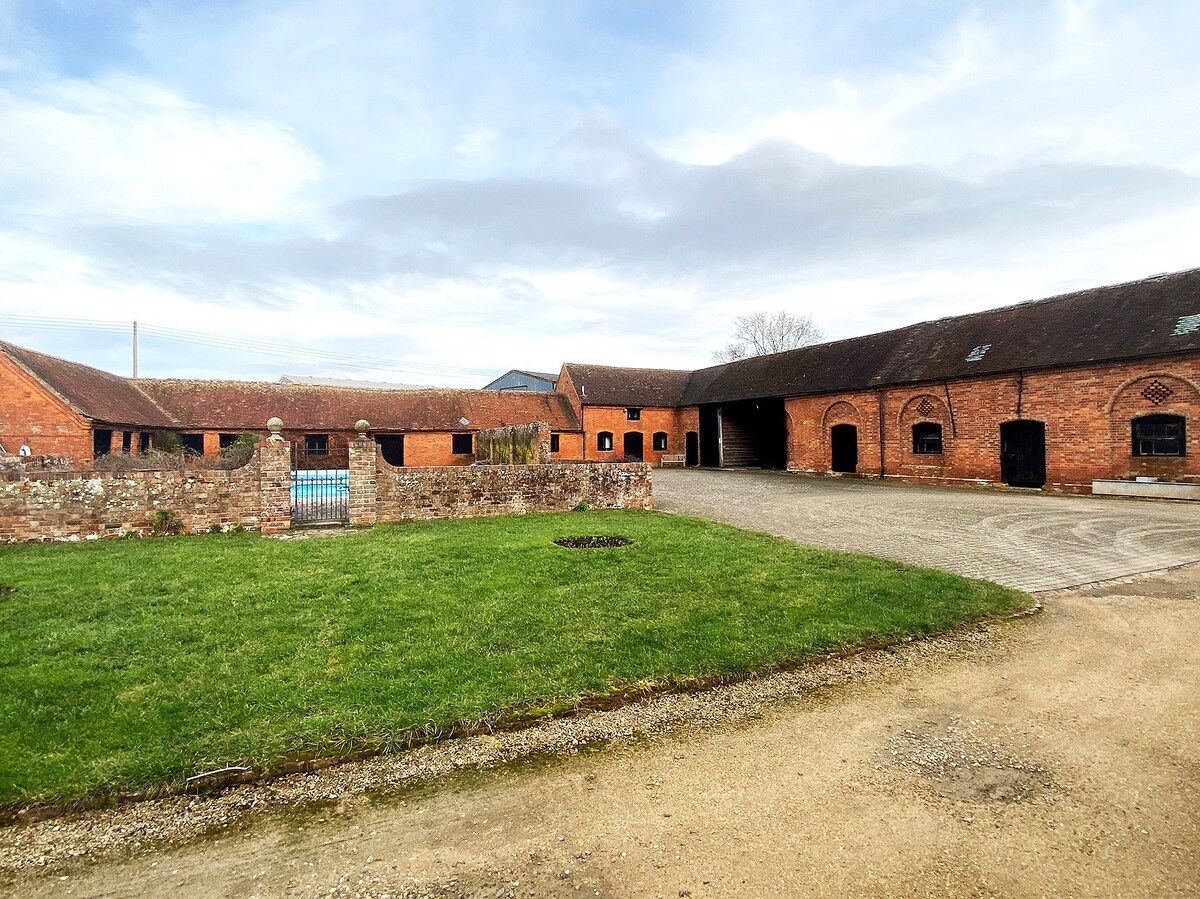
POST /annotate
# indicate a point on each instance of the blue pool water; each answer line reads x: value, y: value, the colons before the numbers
x: 320, y: 483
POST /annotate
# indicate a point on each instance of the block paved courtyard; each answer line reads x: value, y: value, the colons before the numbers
x: 1021, y: 538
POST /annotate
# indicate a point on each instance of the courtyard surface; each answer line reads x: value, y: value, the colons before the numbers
x: 1020, y: 538
x: 1054, y: 756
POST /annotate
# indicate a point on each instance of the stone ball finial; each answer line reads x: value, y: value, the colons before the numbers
x: 362, y: 426
x: 275, y: 425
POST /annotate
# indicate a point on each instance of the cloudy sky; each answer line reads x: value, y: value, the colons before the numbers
x: 465, y: 188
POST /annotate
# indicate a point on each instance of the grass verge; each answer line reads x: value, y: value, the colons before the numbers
x: 131, y: 665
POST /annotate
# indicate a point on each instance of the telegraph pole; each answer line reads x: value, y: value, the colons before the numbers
x: 135, y: 349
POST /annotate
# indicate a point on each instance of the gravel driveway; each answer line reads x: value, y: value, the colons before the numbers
x: 1024, y: 539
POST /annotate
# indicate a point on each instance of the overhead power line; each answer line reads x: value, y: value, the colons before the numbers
x: 358, y: 361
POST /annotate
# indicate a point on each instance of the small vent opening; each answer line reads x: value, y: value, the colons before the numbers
x: 979, y: 352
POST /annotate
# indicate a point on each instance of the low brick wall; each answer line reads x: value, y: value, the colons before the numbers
x: 73, y: 505
x: 415, y: 494
x: 38, y: 503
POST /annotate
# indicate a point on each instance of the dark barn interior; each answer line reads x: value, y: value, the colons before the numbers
x: 745, y: 434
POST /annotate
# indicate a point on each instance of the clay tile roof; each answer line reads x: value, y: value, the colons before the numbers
x: 94, y: 394
x: 1156, y: 316
x: 606, y: 385
x: 246, y: 405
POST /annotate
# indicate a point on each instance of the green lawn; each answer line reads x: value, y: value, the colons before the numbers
x: 133, y: 664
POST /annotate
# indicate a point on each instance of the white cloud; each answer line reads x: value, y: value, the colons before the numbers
x: 129, y: 148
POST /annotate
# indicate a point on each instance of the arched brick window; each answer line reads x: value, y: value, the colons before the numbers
x: 660, y: 441
x: 604, y: 441
x: 927, y: 438
x: 1159, y: 435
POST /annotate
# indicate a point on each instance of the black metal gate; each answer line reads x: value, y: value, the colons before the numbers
x: 320, y: 485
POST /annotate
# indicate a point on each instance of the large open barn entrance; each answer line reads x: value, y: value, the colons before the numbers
x: 746, y: 434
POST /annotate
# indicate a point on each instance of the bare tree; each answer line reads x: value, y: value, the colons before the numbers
x: 760, y: 333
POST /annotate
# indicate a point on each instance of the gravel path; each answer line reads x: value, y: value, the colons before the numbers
x: 1057, y: 755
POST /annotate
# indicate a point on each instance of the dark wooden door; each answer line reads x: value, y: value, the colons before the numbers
x: 692, y: 449
x: 843, y: 439
x: 1023, y: 453
x: 631, y: 444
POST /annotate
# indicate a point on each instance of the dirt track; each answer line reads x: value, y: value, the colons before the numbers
x: 1058, y: 758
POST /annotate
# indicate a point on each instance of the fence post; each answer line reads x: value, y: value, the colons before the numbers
x: 274, y: 457
x: 363, y: 485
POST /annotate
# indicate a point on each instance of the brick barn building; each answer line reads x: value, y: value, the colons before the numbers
x: 64, y: 408
x: 1097, y: 384
x: 1056, y: 393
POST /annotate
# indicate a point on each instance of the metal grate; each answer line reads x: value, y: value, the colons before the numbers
x: 1187, y: 324
x: 979, y: 352
x: 1157, y: 392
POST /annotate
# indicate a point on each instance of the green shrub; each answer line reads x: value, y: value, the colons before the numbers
x: 166, y: 523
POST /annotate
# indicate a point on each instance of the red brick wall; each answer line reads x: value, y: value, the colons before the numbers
x: 1087, y: 412
x: 673, y: 422
x: 29, y: 413
x: 570, y: 447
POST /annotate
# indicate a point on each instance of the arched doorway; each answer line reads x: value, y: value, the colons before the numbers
x: 843, y: 441
x: 1023, y: 453
x: 631, y: 445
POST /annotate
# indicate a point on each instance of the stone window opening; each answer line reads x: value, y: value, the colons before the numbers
x: 604, y: 441
x: 633, y: 414
x: 316, y: 444
x: 1159, y: 435
x: 554, y: 443
x: 461, y: 444
x: 660, y: 441
x: 193, y: 444
x: 927, y: 438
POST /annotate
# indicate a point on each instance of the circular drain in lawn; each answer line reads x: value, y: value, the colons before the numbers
x: 595, y: 541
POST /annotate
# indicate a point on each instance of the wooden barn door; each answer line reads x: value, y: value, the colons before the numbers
x: 1023, y: 453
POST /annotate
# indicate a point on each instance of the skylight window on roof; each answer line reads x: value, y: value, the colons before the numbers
x: 1187, y: 324
x: 979, y: 352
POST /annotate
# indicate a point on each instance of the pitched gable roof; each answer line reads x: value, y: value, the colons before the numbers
x: 1140, y: 319
x: 93, y: 393
x: 237, y: 405
x: 607, y: 385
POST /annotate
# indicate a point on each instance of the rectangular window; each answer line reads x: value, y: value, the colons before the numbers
x: 193, y: 444
x: 554, y: 443
x: 604, y: 441
x: 144, y: 442
x: 126, y: 441
x: 1159, y: 435
x: 316, y: 444
x: 660, y: 442
x: 927, y: 438
x: 225, y: 441
x: 633, y: 414
x: 460, y: 444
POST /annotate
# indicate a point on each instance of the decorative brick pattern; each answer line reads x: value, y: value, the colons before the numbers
x: 1157, y: 392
